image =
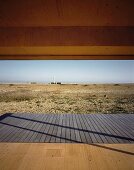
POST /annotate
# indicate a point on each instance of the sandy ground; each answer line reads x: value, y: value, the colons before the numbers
x: 39, y: 98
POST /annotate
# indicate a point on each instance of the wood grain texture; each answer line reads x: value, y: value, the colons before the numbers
x: 67, y: 52
x: 66, y: 57
x: 66, y: 156
x: 43, y: 23
x: 66, y: 36
x: 66, y: 13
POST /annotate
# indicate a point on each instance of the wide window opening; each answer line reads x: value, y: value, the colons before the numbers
x: 67, y: 86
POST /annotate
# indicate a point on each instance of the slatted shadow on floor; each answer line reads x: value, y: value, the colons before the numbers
x: 67, y: 128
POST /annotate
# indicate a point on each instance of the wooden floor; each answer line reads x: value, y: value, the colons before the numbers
x: 67, y: 128
x: 44, y: 156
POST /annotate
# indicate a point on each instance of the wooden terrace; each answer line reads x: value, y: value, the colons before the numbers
x: 67, y: 128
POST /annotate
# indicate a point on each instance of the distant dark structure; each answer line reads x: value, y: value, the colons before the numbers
x: 58, y: 82
x: 55, y: 83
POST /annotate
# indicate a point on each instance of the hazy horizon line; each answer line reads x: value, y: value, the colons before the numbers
x: 33, y: 82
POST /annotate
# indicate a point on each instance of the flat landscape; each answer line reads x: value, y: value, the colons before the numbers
x: 67, y: 98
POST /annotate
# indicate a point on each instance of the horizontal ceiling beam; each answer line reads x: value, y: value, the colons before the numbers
x: 68, y: 52
x: 42, y: 57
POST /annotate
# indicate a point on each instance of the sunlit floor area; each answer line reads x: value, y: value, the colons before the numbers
x: 24, y: 156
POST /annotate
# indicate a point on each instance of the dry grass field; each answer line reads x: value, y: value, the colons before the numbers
x: 67, y: 98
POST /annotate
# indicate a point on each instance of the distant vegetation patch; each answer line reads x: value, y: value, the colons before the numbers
x: 116, y: 84
x: 18, y: 97
x: 11, y: 85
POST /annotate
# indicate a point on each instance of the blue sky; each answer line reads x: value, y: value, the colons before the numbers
x: 68, y: 71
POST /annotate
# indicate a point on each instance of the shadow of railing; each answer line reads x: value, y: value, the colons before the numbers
x: 97, y: 145
x: 3, y: 116
x: 73, y: 128
x: 64, y: 138
x: 43, y: 133
x: 112, y: 149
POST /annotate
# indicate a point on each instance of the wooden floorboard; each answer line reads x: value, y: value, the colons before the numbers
x: 94, y: 131
x: 115, y: 131
x: 120, y: 130
x: 67, y: 128
x: 59, y: 130
x: 99, y: 129
x: 82, y: 135
x: 129, y: 121
x: 63, y: 134
x: 108, y: 130
x: 63, y: 156
x: 77, y: 134
x: 89, y: 126
x: 43, y: 135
